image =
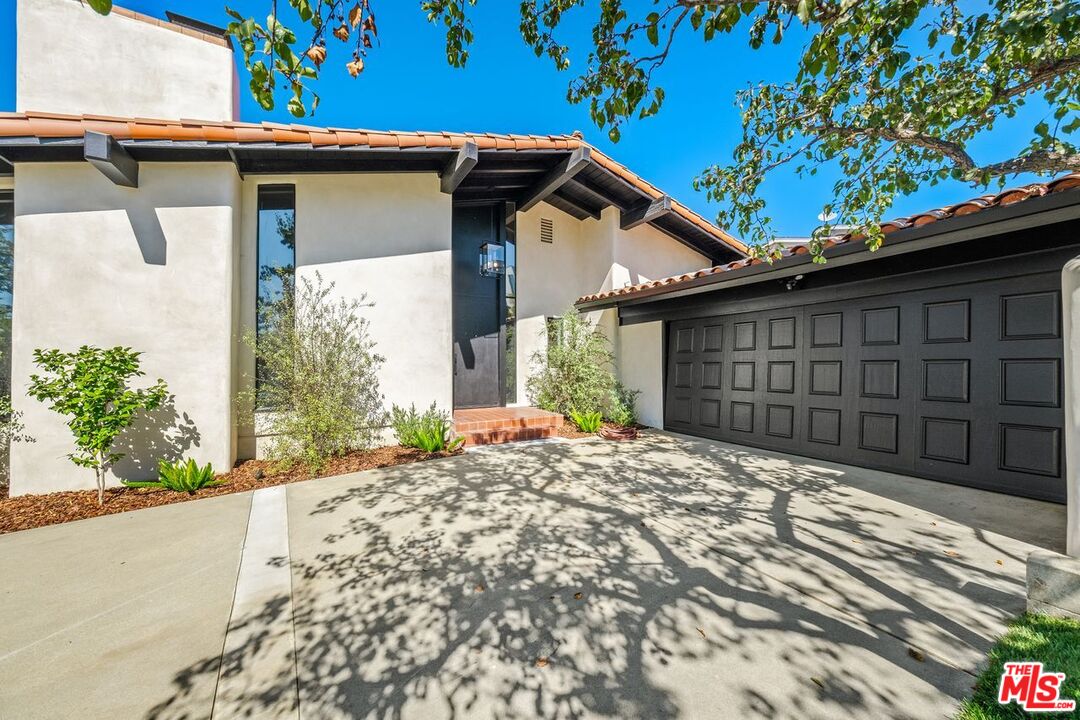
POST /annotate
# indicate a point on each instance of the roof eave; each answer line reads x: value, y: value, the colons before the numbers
x: 1047, y: 209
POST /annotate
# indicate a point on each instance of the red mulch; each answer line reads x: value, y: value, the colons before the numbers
x: 31, y: 511
x: 570, y: 431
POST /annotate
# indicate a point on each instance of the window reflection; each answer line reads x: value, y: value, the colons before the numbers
x: 7, y: 277
x: 276, y: 254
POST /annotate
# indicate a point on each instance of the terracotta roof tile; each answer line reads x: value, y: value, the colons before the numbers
x: 55, y: 125
x: 967, y: 207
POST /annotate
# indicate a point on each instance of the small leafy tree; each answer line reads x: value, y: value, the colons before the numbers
x: 575, y: 372
x: 90, y: 386
x: 318, y: 375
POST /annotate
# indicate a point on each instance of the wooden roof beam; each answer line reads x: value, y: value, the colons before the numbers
x: 645, y: 212
x: 459, y: 167
x: 109, y: 156
x: 558, y: 176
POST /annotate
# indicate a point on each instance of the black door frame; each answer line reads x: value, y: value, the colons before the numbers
x: 504, y: 233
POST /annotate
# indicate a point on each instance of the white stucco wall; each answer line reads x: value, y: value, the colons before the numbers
x: 151, y: 268
x: 641, y: 367
x: 387, y: 235
x: 586, y: 257
x: 1070, y: 294
x: 72, y: 60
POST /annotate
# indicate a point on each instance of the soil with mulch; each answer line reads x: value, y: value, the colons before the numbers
x: 31, y: 511
x: 570, y: 431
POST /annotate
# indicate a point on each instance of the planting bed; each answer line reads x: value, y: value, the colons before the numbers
x: 31, y: 511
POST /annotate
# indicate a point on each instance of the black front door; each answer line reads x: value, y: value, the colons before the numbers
x: 478, y: 342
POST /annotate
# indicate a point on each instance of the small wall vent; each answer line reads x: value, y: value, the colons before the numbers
x: 547, y: 230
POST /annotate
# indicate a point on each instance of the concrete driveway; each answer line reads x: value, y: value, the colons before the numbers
x: 669, y: 577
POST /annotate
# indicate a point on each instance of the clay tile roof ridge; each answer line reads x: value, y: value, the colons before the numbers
x: 1069, y: 181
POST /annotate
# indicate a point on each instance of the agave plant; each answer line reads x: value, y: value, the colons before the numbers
x: 431, y: 431
x: 179, y: 477
x: 587, y: 422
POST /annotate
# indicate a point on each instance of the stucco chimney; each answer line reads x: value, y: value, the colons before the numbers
x: 72, y: 60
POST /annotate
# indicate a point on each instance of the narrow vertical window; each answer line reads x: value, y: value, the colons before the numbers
x: 511, y: 319
x: 276, y: 254
x: 7, y: 278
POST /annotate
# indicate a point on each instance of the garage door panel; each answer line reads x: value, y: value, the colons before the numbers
x: 959, y: 383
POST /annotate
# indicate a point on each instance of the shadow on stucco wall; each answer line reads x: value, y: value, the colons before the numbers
x: 162, y: 434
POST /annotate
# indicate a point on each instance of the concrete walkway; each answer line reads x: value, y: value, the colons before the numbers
x: 670, y: 577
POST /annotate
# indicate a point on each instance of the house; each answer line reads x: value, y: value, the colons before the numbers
x: 135, y: 225
x: 947, y: 354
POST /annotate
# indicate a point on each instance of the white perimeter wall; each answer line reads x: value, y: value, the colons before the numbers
x: 586, y: 257
x: 387, y: 235
x: 1070, y: 294
x: 151, y: 268
x: 72, y: 60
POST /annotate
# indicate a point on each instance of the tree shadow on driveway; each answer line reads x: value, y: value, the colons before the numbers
x: 657, y: 579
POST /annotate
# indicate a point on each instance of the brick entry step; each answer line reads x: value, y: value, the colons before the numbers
x: 494, y: 426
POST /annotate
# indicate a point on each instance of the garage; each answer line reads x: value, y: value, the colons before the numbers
x: 939, y: 356
x: 960, y: 381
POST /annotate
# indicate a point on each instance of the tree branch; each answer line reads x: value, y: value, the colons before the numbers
x: 1039, y: 161
x: 952, y: 150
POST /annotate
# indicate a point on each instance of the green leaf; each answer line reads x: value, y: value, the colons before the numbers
x: 102, y: 7
x: 803, y: 11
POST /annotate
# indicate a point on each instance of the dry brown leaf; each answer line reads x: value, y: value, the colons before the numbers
x: 916, y: 655
x: 541, y: 662
x: 355, y: 67
x: 317, y: 54
x: 479, y: 587
x: 819, y: 682
x: 578, y: 596
x: 952, y: 553
x: 857, y: 542
x: 355, y: 15
x: 702, y: 633
x: 1000, y: 562
x: 341, y: 32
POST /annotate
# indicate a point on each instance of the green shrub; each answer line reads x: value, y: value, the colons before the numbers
x: 11, y: 430
x: 587, y: 422
x: 179, y: 477
x: 317, y: 375
x: 431, y: 431
x: 91, y: 386
x: 575, y: 372
x: 620, y: 409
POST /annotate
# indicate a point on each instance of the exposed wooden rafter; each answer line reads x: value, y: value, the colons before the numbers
x: 644, y: 212
x: 558, y: 176
x: 109, y: 156
x: 584, y: 208
x: 459, y: 167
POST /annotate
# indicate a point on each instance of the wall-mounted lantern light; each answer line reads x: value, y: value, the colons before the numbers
x: 492, y: 260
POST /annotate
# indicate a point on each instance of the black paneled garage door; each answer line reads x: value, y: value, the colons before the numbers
x: 962, y: 384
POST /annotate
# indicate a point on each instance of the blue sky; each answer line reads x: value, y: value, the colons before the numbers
x: 409, y: 86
